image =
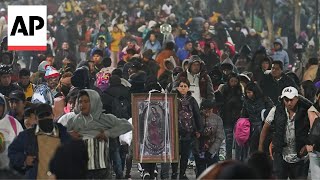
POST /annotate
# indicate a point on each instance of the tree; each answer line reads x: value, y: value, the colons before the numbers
x: 236, y: 7
x: 297, y: 15
x: 267, y: 11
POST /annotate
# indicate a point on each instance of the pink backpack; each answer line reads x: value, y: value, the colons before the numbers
x: 242, y: 131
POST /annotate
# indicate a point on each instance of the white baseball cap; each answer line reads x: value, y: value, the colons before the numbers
x: 289, y: 92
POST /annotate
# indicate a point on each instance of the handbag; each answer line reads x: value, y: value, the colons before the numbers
x: 314, y: 134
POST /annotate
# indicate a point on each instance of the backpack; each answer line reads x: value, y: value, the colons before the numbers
x: 242, y: 131
x: 102, y: 78
x: 121, y: 107
x: 185, y: 117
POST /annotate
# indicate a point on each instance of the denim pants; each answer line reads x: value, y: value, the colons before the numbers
x: 185, y: 150
x: 229, y: 142
x: 202, y: 163
x: 116, y: 161
x: 284, y: 170
x: 315, y: 164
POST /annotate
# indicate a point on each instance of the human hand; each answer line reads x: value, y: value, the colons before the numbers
x: 303, y: 151
x: 75, y: 134
x: 30, y: 160
x: 102, y: 136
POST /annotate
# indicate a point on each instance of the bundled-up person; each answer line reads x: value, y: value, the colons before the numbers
x: 167, y: 77
x: 9, y: 129
x: 279, y: 54
x: 255, y: 107
x: 137, y: 78
x: 33, y: 149
x: 201, y: 85
x: 96, y: 127
x: 17, y: 104
x: 6, y: 85
x: 149, y: 65
x: 263, y: 68
x: 164, y: 54
x: 232, y: 104
x: 190, y: 126
x: 312, y: 69
x: 208, y: 145
x: 25, y: 84
x: 272, y: 84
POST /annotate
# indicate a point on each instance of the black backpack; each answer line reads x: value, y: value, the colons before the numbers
x: 121, y: 107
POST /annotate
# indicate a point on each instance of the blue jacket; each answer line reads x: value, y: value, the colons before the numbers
x: 183, y: 54
x: 26, y: 144
x: 281, y: 55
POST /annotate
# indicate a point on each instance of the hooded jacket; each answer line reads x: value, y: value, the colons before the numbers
x: 281, y: 55
x: 90, y: 126
x: 7, y: 132
x: 167, y: 76
x: 205, y: 84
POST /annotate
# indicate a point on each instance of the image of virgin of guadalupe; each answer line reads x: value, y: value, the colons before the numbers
x: 155, y: 133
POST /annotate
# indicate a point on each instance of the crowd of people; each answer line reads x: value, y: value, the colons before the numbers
x: 244, y: 111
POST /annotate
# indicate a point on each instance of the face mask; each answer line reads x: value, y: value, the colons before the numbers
x: 46, y: 125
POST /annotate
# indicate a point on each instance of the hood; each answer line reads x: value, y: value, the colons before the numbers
x: 228, y: 63
x: 5, y: 110
x: 194, y: 59
x: 172, y: 61
x: 139, y: 77
x: 279, y: 42
x: 95, y: 104
x: 186, y: 61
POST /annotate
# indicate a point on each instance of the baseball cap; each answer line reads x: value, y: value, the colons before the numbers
x: 43, y: 110
x: 289, y: 92
x: 17, y: 95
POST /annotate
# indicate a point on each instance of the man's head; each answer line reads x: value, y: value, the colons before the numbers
x: 50, y: 59
x: 5, y: 75
x: 277, y: 44
x: 276, y: 69
x: 195, y: 64
x: 24, y: 77
x: 84, y: 102
x: 152, y: 37
x: 101, y: 42
x: 17, y: 101
x: 65, y: 46
x: 147, y: 55
x: 169, y: 46
x: 130, y: 53
x: 188, y: 46
x: 290, y: 97
x: 30, y: 116
x: 64, y: 21
x: 97, y: 56
x: 44, y: 116
x: 52, y: 76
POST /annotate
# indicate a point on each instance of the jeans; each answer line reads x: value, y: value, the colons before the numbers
x: 315, y: 164
x: 202, y: 163
x: 116, y: 161
x: 284, y: 170
x: 185, y: 150
x: 229, y: 142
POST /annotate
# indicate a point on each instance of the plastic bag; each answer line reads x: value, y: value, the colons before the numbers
x: 125, y: 139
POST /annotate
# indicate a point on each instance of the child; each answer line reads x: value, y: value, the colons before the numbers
x: 208, y: 145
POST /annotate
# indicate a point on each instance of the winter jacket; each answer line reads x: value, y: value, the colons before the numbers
x: 155, y: 47
x: 114, y: 91
x: 6, y: 90
x: 253, y: 42
x: 256, y: 109
x: 273, y: 88
x: 7, y: 132
x: 26, y: 144
x: 180, y: 41
x: 183, y: 54
x: 281, y: 55
x: 311, y: 73
x: 197, y: 123
x: 238, y: 39
x: 137, y: 81
x: 212, y: 135
x: 165, y: 54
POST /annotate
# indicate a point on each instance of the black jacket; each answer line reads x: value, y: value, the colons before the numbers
x: 252, y: 108
x: 6, y: 90
x: 112, y: 92
x: 273, y: 88
x: 197, y: 124
x: 301, y: 123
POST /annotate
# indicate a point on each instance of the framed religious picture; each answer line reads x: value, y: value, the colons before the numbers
x: 155, y: 132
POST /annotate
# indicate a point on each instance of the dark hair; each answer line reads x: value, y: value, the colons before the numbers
x: 82, y: 93
x: 169, y: 45
x: 186, y: 81
x: 131, y: 51
x: 106, y: 62
x: 261, y: 165
x: 24, y: 72
x: 117, y: 72
x: 309, y: 89
x: 313, y: 61
x: 70, y: 161
x: 278, y: 63
x: 72, y: 95
x: 251, y: 86
x: 187, y: 42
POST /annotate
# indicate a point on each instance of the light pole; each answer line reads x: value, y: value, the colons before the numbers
x: 317, y: 25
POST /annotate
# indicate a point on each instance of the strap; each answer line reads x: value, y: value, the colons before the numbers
x: 13, y: 124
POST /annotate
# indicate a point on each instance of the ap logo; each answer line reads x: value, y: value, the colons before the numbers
x: 27, y: 28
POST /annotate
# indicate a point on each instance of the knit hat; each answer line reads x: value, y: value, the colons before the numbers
x: 51, y: 72
x: 42, y: 66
